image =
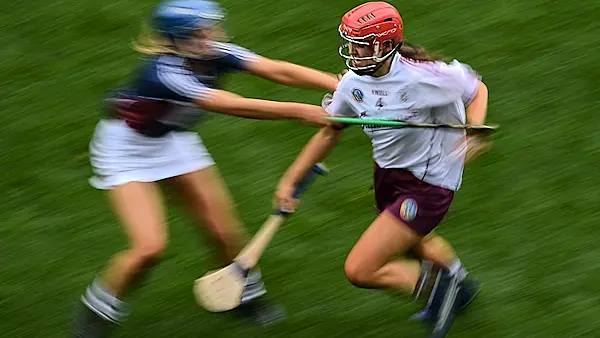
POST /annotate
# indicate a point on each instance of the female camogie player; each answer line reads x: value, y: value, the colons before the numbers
x: 417, y: 171
x: 145, y: 139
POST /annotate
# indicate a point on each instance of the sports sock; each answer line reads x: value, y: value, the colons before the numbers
x: 102, y: 302
x: 254, y: 286
x: 457, y: 269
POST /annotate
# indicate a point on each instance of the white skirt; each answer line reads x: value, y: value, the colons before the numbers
x: 119, y: 154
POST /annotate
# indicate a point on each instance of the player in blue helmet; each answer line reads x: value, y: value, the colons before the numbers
x: 145, y: 138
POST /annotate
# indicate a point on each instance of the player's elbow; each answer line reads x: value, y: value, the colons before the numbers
x: 330, y: 134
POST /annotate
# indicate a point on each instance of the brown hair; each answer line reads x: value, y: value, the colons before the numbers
x: 418, y: 53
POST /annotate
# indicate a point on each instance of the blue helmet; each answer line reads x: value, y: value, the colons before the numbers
x: 178, y: 19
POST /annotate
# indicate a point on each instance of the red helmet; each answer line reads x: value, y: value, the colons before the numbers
x: 371, y: 24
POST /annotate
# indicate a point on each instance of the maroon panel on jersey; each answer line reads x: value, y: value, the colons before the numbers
x: 419, y: 205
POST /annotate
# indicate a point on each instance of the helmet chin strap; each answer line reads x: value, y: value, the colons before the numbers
x: 362, y: 70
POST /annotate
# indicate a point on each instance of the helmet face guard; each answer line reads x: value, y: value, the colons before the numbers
x: 367, y: 40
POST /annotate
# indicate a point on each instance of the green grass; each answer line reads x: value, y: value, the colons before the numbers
x: 525, y: 222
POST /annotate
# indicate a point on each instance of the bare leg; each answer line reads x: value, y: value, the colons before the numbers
x: 436, y: 249
x: 208, y: 199
x: 139, y: 207
x: 370, y: 264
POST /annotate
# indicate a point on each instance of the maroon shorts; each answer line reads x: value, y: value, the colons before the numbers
x: 419, y: 205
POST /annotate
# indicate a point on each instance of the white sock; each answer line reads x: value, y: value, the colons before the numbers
x: 254, y: 286
x: 104, y: 303
x: 456, y: 269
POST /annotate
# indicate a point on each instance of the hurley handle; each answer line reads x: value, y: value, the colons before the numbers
x: 250, y: 255
x: 404, y: 124
x: 317, y: 169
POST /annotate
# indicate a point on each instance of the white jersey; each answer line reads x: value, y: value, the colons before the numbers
x: 422, y: 92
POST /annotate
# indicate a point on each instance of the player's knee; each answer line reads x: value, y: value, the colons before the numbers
x: 224, y: 233
x: 356, y: 274
x: 149, y: 252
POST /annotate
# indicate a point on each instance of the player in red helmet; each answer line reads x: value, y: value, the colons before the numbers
x: 417, y: 171
x: 367, y: 28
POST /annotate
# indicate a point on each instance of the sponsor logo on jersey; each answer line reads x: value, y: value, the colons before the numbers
x: 380, y: 92
x: 358, y: 95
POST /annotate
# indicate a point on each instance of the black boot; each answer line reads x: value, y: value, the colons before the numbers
x: 87, y: 324
x: 262, y: 311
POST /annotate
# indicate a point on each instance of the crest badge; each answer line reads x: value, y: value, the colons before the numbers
x: 408, y: 209
x: 358, y: 95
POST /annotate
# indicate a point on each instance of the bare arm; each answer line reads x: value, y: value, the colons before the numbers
x: 316, y: 150
x: 476, y: 114
x: 477, y: 109
x: 224, y: 102
x: 291, y: 74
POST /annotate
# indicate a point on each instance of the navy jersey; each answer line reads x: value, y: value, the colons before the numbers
x: 161, y: 96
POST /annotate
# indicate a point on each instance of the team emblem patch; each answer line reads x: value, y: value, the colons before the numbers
x: 358, y: 95
x: 408, y: 209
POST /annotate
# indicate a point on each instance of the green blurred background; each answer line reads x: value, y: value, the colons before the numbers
x: 525, y: 222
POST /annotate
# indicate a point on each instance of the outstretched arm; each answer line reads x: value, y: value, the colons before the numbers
x: 291, y: 74
x: 183, y: 85
x: 224, y: 102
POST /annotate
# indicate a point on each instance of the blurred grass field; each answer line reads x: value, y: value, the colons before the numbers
x: 525, y: 222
